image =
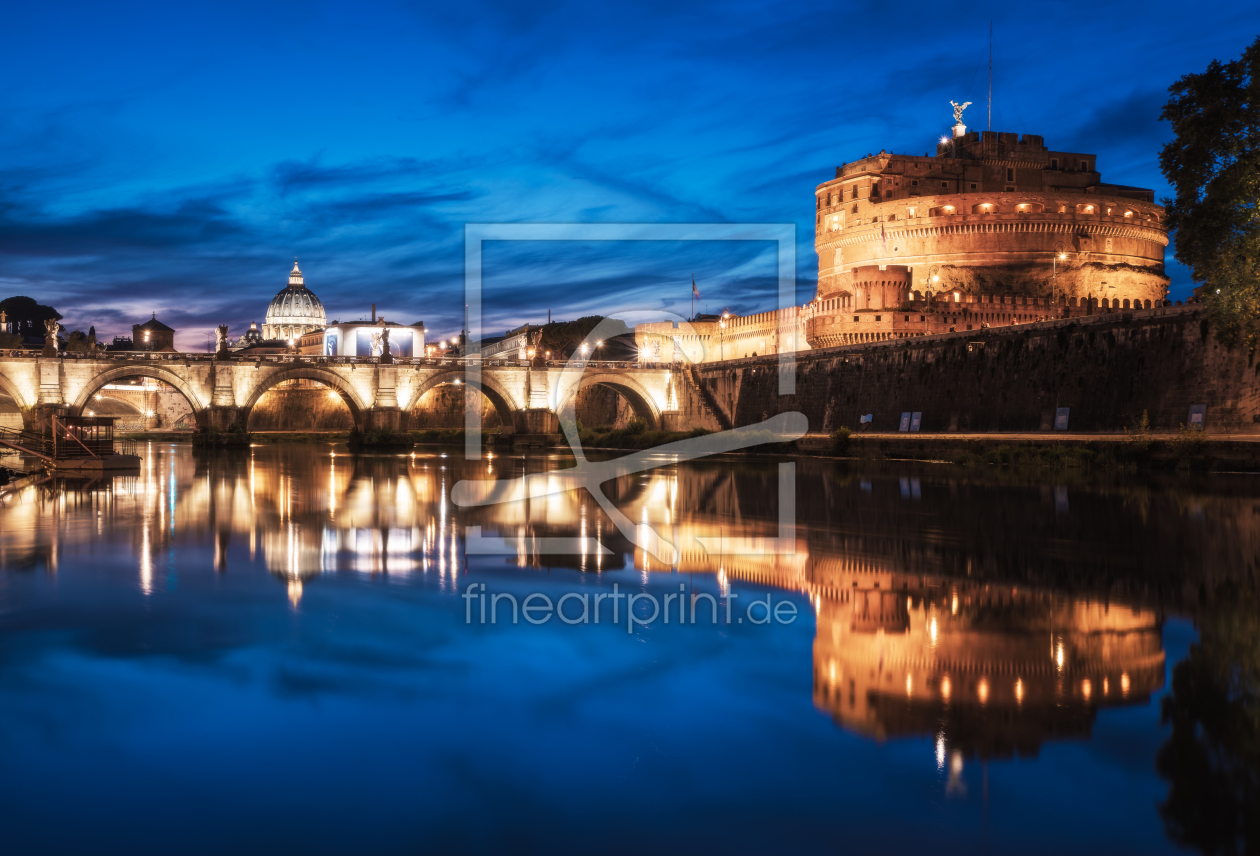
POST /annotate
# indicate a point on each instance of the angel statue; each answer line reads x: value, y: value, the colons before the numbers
x: 222, y: 344
x: 376, y: 341
x: 51, y: 328
x: 386, y: 356
x: 958, y: 110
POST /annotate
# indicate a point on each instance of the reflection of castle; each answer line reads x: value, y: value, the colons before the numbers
x: 990, y: 670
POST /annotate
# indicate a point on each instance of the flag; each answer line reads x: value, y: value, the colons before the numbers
x: 695, y: 292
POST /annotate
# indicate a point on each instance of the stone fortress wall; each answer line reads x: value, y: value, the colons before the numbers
x: 1108, y: 369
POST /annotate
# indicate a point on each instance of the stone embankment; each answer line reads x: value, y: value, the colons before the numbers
x: 1108, y: 369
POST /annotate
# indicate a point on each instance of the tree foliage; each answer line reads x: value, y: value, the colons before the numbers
x: 1213, y: 164
x: 562, y: 338
x: 26, y: 315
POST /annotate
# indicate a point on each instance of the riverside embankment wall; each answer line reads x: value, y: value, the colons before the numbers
x: 1108, y: 369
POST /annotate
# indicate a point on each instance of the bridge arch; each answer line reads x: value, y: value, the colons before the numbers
x: 640, y: 400
x: 503, y: 402
x: 329, y: 378
x: 11, y: 389
x: 155, y: 372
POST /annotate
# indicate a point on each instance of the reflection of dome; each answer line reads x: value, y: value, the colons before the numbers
x: 294, y: 311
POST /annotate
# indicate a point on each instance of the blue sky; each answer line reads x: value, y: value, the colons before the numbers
x: 177, y: 157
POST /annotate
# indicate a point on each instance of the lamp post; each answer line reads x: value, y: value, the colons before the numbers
x: 934, y: 277
x: 599, y: 350
x: 1060, y: 254
x: 722, y: 333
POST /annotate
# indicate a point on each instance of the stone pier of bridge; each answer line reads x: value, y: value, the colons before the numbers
x: 221, y: 391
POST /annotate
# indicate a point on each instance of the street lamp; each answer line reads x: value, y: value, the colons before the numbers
x: 722, y: 333
x: 1060, y: 255
x: 934, y: 277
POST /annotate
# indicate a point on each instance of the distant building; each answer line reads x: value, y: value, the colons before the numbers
x: 513, y: 345
x: 251, y: 337
x: 152, y: 335
x: 294, y: 311
x: 311, y: 342
x: 363, y: 338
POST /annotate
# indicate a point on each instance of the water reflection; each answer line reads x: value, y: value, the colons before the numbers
x: 988, y: 616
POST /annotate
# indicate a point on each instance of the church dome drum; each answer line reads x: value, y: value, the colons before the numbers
x: 294, y: 311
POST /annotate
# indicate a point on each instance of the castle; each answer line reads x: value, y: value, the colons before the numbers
x: 994, y: 229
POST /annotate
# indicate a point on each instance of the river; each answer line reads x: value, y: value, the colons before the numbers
x: 295, y: 648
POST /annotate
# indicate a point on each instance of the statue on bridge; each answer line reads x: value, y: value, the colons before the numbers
x: 221, y: 345
x: 51, y: 343
x: 386, y: 356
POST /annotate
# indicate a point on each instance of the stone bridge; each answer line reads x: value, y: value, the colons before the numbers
x: 529, y: 396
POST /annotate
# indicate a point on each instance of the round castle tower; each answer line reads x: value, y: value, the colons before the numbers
x: 992, y: 216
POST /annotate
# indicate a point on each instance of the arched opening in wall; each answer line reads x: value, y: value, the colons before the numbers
x: 10, y: 413
x: 443, y: 407
x: 301, y: 404
x: 1085, y: 208
x: 139, y: 402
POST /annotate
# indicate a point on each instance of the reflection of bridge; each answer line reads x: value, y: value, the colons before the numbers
x: 528, y: 396
x: 988, y: 667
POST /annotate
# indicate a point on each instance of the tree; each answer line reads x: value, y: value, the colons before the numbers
x: 27, y: 316
x: 1213, y: 164
x: 77, y: 343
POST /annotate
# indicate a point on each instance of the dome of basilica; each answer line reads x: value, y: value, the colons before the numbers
x: 294, y: 311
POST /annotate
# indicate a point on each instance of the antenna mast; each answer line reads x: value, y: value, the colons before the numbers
x: 990, y: 74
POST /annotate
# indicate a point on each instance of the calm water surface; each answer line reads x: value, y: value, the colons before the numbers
x: 268, y: 651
